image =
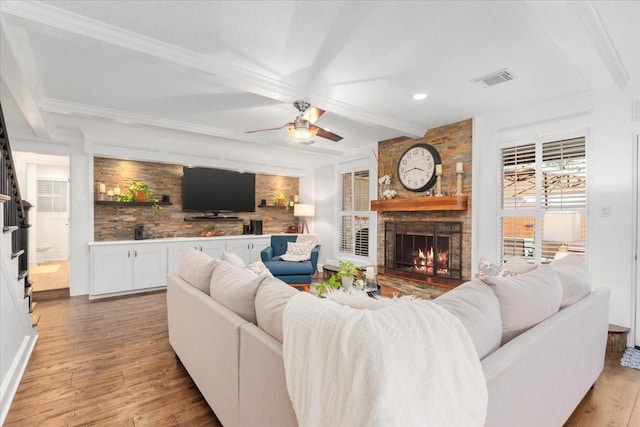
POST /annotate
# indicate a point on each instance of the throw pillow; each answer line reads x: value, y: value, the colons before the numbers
x: 257, y: 267
x: 526, y: 299
x: 515, y: 265
x: 477, y: 307
x: 574, y: 276
x: 298, y: 251
x: 233, y: 259
x: 196, y: 268
x: 235, y: 288
x: 271, y: 298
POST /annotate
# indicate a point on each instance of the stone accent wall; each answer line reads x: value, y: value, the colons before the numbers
x: 453, y: 142
x: 118, y: 222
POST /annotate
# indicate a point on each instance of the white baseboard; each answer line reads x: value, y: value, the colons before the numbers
x: 12, y: 380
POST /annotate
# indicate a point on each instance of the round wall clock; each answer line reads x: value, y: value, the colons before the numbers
x: 417, y: 167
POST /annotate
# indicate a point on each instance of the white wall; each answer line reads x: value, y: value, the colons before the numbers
x: 610, y: 134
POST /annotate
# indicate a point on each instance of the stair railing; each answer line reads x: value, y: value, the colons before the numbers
x: 15, y: 214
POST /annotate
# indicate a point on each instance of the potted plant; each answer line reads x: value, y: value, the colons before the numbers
x: 279, y: 200
x: 348, y: 271
x: 139, y: 192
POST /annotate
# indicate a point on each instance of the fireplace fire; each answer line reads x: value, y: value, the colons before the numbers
x: 424, y: 248
x: 423, y: 262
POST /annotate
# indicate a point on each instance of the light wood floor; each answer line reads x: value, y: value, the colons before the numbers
x: 50, y: 275
x: 108, y: 362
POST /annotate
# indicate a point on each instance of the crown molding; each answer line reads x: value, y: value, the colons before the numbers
x: 224, y: 72
x: 601, y: 41
x: 131, y: 119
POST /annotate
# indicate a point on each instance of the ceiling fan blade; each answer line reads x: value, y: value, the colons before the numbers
x: 312, y: 114
x: 264, y: 130
x: 326, y: 134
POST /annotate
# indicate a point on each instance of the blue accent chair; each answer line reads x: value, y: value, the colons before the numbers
x: 291, y: 272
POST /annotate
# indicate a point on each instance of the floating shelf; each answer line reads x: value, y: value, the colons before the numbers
x: 211, y: 218
x: 118, y: 203
x: 274, y: 206
x: 416, y: 204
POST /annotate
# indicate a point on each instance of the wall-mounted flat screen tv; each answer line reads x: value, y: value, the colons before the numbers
x: 218, y: 190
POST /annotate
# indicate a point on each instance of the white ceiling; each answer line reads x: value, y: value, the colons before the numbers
x: 222, y: 68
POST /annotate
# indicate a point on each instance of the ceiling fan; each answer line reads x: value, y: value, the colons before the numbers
x: 302, y: 128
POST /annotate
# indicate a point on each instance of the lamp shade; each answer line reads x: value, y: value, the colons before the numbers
x: 304, y: 210
x: 561, y: 227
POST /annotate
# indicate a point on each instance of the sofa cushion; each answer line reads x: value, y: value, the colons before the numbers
x: 477, y: 307
x: 516, y: 265
x: 235, y: 288
x: 196, y: 268
x: 286, y: 268
x: 271, y: 298
x: 574, y: 276
x: 233, y: 259
x: 526, y: 299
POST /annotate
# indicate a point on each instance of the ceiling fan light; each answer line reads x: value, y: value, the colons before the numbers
x: 302, y: 134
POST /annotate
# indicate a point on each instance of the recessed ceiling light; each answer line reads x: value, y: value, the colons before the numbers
x: 420, y: 96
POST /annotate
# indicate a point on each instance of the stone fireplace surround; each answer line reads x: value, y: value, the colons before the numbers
x: 454, y: 144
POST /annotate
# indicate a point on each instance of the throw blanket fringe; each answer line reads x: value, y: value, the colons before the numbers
x: 409, y: 363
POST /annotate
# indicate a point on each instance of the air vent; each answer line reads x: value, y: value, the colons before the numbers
x: 494, y: 78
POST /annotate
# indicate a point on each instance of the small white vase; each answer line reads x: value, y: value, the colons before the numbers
x: 347, y: 283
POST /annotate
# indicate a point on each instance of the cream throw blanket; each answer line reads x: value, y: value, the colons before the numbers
x: 408, y: 363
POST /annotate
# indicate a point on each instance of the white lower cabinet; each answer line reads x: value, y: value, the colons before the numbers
x: 126, y: 267
x: 120, y: 268
x: 248, y: 250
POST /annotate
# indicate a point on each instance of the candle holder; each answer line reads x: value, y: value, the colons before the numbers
x: 459, y: 184
x: 438, y: 186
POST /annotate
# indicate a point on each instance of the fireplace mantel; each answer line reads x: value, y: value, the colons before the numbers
x: 444, y: 203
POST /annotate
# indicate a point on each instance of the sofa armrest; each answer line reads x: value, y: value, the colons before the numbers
x: 206, y: 337
x: 266, y: 254
x: 315, y: 252
x: 263, y: 397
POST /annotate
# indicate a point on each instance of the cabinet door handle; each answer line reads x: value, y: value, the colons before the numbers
x: 135, y: 253
x: 128, y: 254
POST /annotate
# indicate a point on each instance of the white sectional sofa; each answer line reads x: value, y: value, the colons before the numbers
x: 536, y: 375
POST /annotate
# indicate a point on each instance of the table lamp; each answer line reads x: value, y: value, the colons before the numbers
x: 563, y: 227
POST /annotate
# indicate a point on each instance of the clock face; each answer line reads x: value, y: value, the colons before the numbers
x: 417, y: 167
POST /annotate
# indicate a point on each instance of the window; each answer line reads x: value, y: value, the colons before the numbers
x: 354, y: 213
x: 52, y: 195
x: 539, y: 178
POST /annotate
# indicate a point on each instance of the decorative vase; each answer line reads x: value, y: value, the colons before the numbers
x: 387, y: 191
x: 281, y: 202
x: 347, y: 283
x: 140, y: 196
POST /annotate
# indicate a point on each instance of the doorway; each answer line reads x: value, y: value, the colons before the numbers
x: 44, y: 183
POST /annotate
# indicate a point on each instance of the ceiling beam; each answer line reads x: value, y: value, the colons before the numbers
x: 18, y: 71
x: 223, y: 72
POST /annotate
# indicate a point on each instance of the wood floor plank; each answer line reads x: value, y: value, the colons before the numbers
x: 109, y: 363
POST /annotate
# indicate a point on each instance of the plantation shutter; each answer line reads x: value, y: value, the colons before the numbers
x: 538, y: 178
x: 51, y: 195
x: 354, y: 213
